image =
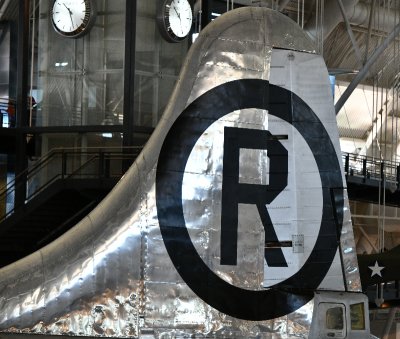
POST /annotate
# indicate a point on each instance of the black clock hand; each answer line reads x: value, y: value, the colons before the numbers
x: 176, y: 12
x: 67, y: 9
x: 179, y: 17
x: 70, y: 14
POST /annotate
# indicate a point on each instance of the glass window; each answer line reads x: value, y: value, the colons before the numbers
x: 78, y: 82
x: 157, y: 65
x: 357, y: 316
x: 335, y: 318
x: 8, y: 63
x: 77, y: 155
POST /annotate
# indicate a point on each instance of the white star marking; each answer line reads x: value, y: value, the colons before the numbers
x: 376, y: 269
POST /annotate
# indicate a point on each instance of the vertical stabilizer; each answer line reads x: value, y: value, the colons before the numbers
x: 229, y: 220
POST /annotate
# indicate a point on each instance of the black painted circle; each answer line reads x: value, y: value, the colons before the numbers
x: 290, y: 294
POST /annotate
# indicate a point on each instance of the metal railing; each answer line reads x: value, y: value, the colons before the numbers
x: 371, y: 168
x: 63, y: 163
x: 97, y: 163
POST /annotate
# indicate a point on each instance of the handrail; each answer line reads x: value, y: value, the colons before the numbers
x: 371, y: 168
x: 47, y: 157
x: 67, y: 163
x: 80, y: 162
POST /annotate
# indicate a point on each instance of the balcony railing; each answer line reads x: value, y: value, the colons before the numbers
x: 100, y: 163
x: 371, y: 168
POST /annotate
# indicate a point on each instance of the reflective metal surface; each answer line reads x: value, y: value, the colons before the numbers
x: 312, y: 87
x: 111, y: 275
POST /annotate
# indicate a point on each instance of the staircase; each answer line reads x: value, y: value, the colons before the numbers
x: 63, y: 187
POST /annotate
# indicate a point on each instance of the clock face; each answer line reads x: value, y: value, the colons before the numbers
x: 72, y: 18
x: 180, y: 17
x: 175, y: 20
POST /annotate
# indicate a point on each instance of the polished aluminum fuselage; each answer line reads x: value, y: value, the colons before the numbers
x: 112, y: 274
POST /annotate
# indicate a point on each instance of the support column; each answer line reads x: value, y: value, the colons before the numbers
x: 205, y: 13
x: 129, y: 77
x: 3, y: 183
x: 21, y: 162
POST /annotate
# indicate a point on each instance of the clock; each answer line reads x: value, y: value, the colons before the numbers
x: 174, y: 19
x: 73, y: 18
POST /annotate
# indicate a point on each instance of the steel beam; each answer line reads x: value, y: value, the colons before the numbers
x: 21, y: 160
x: 350, y: 32
x: 364, y: 71
x: 129, y: 74
x: 371, y: 13
x: 366, y: 236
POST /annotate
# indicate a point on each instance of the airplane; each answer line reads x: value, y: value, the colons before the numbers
x: 379, y: 274
x: 234, y: 220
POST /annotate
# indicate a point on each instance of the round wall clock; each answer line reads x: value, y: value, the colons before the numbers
x: 73, y: 18
x: 175, y: 19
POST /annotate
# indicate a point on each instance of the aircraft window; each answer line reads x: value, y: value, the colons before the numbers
x: 357, y: 316
x: 334, y: 318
